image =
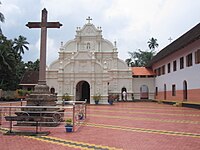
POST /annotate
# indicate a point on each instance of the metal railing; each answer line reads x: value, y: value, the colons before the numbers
x: 24, y: 117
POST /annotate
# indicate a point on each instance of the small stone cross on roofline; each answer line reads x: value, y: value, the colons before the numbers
x: 89, y: 19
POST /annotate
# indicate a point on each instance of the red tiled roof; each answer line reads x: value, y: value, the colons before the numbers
x: 138, y: 71
x: 30, y: 77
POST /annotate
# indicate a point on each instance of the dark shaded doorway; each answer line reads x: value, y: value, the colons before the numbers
x: 185, y: 94
x: 123, y: 96
x: 83, y: 91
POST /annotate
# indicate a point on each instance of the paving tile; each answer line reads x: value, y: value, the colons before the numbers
x: 128, y: 126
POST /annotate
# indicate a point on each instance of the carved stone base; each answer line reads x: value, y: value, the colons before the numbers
x: 41, y: 96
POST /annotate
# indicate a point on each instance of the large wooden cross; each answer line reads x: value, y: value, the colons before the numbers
x: 43, y: 25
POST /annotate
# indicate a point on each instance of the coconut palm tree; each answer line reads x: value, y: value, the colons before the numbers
x: 7, y: 60
x: 141, y: 58
x: 2, y: 19
x: 20, y: 44
x: 128, y: 61
x: 6, y: 53
x: 152, y: 43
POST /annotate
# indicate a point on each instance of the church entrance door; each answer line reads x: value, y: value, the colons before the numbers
x: 83, y: 91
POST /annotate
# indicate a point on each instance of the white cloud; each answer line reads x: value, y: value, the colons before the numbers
x: 9, y: 10
x: 130, y: 22
x: 33, y: 53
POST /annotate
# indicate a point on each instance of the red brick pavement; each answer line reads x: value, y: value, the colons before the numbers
x: 124, y: 126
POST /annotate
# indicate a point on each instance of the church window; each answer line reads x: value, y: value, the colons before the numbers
x: 197, y: 56
x: 173, y: 90
x: 150, y: 76
x: 155, y: 71
x: 142, y: 76
x: 168, y: 67
x: 181, y: 62
x: 189, y: 60
x: 156, y: 91
x: 134, y: 76
x: 163, y: 69
x: 159, y: 71
x: 174, y: 65
x: 52, y: 90
x: 88, y: 46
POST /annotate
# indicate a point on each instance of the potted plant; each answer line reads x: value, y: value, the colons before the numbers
x: 96, y: 98
x: 66, y: 97
x: 69, y: 125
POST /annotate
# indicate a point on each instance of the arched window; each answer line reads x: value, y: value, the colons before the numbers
x: 52, y: 90
x: 88, y: 46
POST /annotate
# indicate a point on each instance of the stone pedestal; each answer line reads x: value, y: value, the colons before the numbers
x: 42, y: 97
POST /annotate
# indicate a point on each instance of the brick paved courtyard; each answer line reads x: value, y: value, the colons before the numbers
x: 128, y: 126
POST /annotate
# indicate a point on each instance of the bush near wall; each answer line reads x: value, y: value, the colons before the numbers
x: 14, y: 95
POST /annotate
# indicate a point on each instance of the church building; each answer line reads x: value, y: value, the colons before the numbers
x: 89, y: 65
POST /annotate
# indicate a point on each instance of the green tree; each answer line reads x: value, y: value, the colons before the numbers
x: 7, y: 63
x: 129, y: 62
x: 2, y: 19
x: 12, y: 67
x: 32, y: 65
x: 141, y: 58
x: 6, y: 53
x: 20, y: 44
x: 152, y: 43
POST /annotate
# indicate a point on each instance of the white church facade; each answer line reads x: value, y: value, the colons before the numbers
x: 89, y: 65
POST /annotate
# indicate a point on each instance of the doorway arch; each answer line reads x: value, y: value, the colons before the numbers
x: 123, y: 90
x: 83, y: 91
x: 52, y: 90
x: 185, y: 94
x: 144, y: 92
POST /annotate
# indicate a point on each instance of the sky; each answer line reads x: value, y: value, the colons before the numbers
x: 130, y: 22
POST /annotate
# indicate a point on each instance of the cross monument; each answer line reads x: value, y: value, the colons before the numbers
x: 43, y: 25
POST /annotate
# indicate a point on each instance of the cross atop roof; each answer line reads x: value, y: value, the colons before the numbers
x: 170, y: 39
x: 89, y: 19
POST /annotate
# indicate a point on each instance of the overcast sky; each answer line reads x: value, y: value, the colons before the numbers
x: 130, y: 22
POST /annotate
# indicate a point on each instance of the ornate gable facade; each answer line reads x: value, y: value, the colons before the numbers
x: 89, y: 65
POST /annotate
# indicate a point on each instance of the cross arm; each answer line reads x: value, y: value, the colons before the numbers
x: 47, y: 25
x: 34, y: 24
x: 53, y: 25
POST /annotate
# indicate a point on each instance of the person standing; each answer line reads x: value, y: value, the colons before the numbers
x: 124, y: 95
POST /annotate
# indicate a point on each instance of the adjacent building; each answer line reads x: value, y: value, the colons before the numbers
x: 177, y: 69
